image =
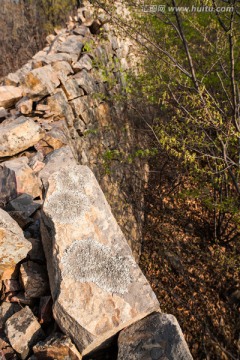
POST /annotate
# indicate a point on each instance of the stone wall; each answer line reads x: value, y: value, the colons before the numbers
x: 73, y: 85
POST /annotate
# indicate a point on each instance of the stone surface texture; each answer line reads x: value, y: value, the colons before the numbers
x: 13, y: 246
x: 156, y: 337
x: 57, y: 347
x: 17, y: 135
x: 97, y: 287
x: 23, y: 331
x: 9, y: 95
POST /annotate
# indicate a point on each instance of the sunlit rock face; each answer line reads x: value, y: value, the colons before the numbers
x: 97, y: 287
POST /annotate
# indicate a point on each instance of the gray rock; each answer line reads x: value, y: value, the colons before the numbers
x: 34, y: 279
x: 23, y: 331
x: 97, y: 287
x: 72, y: 45
x: 85, y: 62
x: 8, y: 185
x: 155, y: 337
x: 58, y: 104
x: 86, y: 82
x: 6, y: 311
x: 25, y: 204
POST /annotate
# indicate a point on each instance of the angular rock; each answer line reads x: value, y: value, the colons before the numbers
x: 97, y: 287
x: 20, y: 218
x: 86, y: 82
x: 11, y: 285
x: 17, y: 135
x: 58, y: 104
x: 158, y: 336
x: 24, y: 204
x: 6, y: 311
x: 13, y: 246
x: 8, y: 185
x: 53, y: 140
x: 70, y: 87
x: 41, y: 81
x: 62, y: 66
x: 81, y: 30
x: 26, y: 180
x: 57, y: 347
x: 85, y: 62
x: 23, y: 331
x: 6, y: 352
x: 55, y: 161
x: 84, y: 107
x: 34, y: 279
x: 52, y: 58
x: 25, y: 106
x: 12, y: 79
x: 9, y: 95
x: 72, y: 45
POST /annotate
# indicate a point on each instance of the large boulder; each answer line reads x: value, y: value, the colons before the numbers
x: 158, y: 336
x: 18, y: 135
x: 97, y: 287
x: 9, y: 95
x: 13, y: 246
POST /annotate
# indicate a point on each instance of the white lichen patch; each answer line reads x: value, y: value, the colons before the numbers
x: 89, y: 261
x: 68, y: 203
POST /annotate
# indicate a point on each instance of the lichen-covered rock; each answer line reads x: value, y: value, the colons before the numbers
x: 58, y: 159
x: 57, y: 347
x: 23, y: 331
x: 17, y: 135
x: 72, y: 45
x: 13, y: 246
x: 6, y: 311
x: 156, y: 337
x: 97, y: 287
x: 26, y: 181
x: 9, y: 95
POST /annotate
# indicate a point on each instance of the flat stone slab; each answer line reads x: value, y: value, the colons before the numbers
x: 157, y: 337
x: 13, y: 246
x: 97, y: 287
x: 17, y: 135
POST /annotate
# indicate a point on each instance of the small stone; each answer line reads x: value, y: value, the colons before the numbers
x: 26, y: 180
x: 13, y: 246
x: 53, y: 140
x: 25, y: 106
x: 56, y: 347
x: 12, y: 79
x: 17, y: 135
x: 23, y: 331
x: 84, y: 107
x: 157, y: 336
x: 81, y: 30
x: 34, y: 279
x: 9, y: 95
